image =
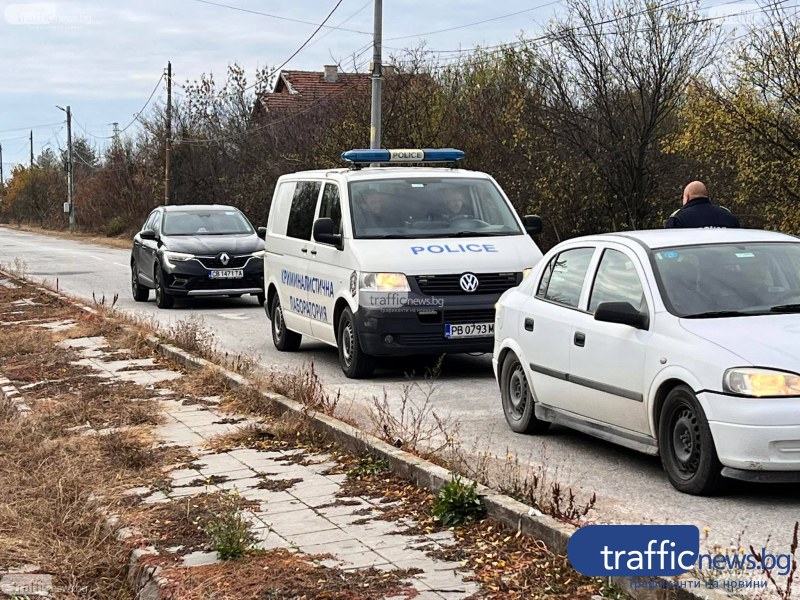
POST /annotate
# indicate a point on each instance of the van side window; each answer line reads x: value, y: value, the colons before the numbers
x: 331, y: 207
x: 301, y: 215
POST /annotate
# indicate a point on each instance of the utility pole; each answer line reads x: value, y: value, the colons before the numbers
x: 31, y: 148
x: 168, y: 149
x: 69, y: 171
x: 2, y: 179
x: 116, y: 132
x: 375, y: 125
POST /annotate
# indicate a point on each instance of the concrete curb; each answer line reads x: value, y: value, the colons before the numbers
x: 423, y: 473
x: 11, y: 395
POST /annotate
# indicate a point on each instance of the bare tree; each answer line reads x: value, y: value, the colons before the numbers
x: 615, y: 73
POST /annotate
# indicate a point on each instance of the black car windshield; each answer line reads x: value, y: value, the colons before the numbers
x: 430, y: 208
x: 205, y: 222
x: 724, y: 280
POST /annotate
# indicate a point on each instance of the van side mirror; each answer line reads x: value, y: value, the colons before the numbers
x: 323, y: 233
x: 148, y: 234
x: 623, y: 313
x: 533, y: 224
x: 262, y: 233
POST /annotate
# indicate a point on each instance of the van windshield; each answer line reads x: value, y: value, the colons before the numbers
x: 430, y: 208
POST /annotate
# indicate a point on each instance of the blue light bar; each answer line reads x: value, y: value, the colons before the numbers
x: 403, y: 155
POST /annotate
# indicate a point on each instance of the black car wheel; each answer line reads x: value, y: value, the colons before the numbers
x: 163, y: 298
x: 284, y: 339
x: 687, y: 446
x: 517, y: 398
x: 355, y: 363
x: 140, y: 293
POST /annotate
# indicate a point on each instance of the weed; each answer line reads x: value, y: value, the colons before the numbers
x: 127, y: 451
x: 103, y: 304
x: 304, y: 386
x: 229, y: 531
x: 609, y: 589
x: 784, y: 593
x: 458, y: 503
x: 368, y: 465
x: 411, y: 425
x: 193, y: 336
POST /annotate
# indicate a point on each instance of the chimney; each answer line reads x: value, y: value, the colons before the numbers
x: 387, y: 70
x: 331, y: 74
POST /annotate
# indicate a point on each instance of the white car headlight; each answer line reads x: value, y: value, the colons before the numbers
x: 172, y: 257
x: 384, y: 282
x: 750, y: 381
x: 258, y: 254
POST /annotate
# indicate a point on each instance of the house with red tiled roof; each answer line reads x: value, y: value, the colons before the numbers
x: 300, y: 90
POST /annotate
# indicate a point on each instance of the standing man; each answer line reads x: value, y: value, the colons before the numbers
x: 698, y: 211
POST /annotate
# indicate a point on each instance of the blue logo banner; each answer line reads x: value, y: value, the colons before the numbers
x: 634, y: 550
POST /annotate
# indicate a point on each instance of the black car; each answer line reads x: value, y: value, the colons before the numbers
x: 197, y: 250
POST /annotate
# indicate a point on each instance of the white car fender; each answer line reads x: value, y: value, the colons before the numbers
x: 665, y: 374
x: 510, y: 343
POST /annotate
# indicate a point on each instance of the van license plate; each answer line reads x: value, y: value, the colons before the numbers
x: 226, y: 274
x: 466, y: 330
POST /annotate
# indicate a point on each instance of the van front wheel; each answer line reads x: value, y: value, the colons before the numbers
x: 355, y: 363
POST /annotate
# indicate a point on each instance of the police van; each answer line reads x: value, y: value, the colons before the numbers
x: 381, y: 259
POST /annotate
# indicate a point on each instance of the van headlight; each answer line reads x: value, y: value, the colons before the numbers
x: 384, y: 282
x: 258, y: 254
x: 170, y: 258
x: 526, y: 272
x: 750, y: 381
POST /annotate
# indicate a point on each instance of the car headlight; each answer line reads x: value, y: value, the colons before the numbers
x: 750, y: 381
x: 384, y: 282
x: 172, y: 257
x: 258, y: 254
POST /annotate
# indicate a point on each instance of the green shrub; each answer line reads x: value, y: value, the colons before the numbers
x: 116, y: 226
x: 229, y: 531
x: 458, y: 503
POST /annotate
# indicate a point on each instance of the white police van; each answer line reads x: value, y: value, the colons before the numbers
x: 392, y: 260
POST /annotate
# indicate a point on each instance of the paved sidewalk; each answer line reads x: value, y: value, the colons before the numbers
x: 302, y: 511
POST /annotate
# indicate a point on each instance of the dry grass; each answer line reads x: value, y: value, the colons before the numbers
x: 112, y: 242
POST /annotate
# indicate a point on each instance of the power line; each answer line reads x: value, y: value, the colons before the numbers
x: 466, y: 25
x: 31, y: 127
x: 303, y: 45
x: 136, y: 118
x: 255, y: 12
x: 327, y: 33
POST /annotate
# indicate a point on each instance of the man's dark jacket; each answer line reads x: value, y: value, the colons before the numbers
x: 700, y: 212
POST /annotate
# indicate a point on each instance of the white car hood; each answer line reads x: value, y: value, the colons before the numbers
x: 447, y: 255
x: 764, y: 341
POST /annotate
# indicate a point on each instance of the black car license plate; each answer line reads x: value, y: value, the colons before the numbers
x: 226, y: 274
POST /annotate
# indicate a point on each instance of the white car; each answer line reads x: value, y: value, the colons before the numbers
x: 678, y: 343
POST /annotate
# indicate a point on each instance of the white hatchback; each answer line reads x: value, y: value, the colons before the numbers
x: 678, y: 343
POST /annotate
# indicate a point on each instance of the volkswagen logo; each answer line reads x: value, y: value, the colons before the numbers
x: 224, y: 258
x: 468, y: 282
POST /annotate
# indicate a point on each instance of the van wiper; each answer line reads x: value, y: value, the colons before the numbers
x: 477, y: 234
x: 718, y: 313
x: 786, y: 308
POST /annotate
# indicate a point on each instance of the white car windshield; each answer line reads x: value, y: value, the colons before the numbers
x: 430, y: 208
x: 720, y: 280
x: 209, y: 222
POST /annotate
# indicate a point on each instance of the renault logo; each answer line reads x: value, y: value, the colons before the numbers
x: 224, y: 258
x: 468, y: 282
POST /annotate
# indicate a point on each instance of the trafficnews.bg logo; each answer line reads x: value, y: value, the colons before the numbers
x: 659, y: 550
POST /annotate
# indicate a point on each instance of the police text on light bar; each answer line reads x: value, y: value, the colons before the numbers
x: 403, y: 155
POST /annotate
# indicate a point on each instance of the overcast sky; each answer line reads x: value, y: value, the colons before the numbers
x: 103, y: 58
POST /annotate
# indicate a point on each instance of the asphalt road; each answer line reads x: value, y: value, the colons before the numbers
x: 630, y: 488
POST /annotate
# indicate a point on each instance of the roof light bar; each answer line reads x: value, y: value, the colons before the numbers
x: 403, y: 155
